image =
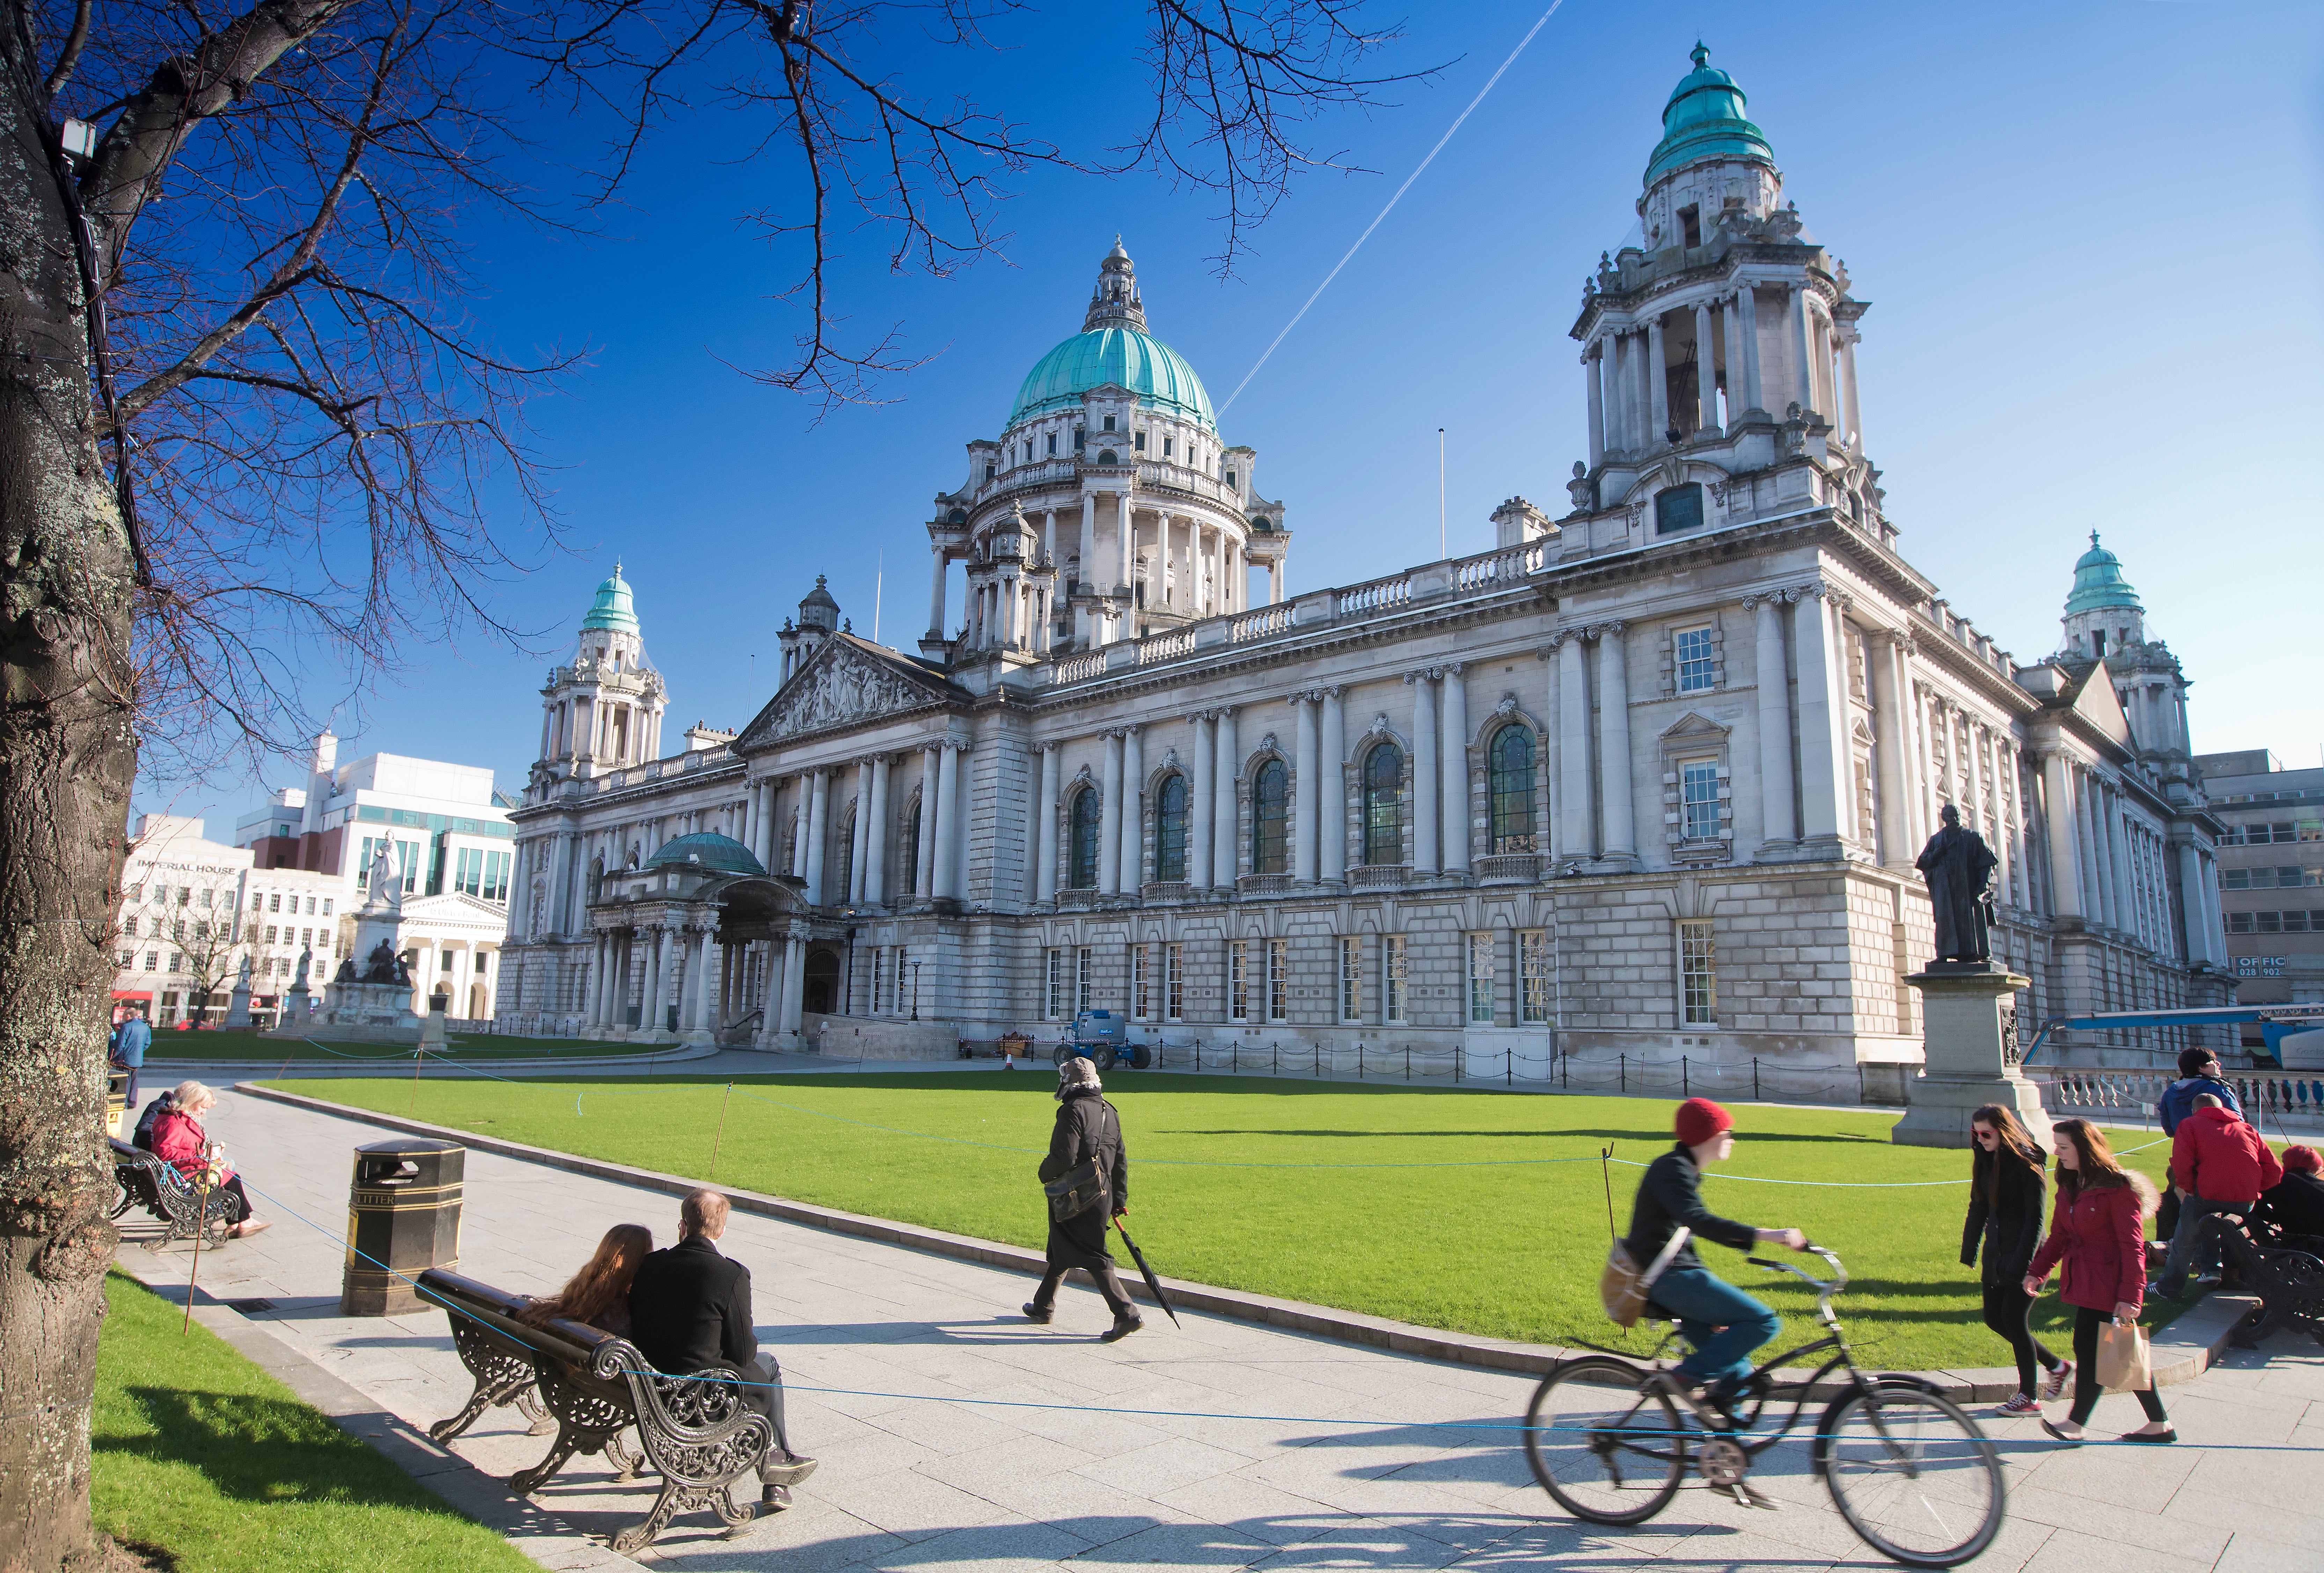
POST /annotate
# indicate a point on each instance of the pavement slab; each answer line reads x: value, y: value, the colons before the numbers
x: 903, y: 1367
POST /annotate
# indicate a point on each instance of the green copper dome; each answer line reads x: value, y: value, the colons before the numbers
x: 1704, y: 120
x: 1126, y: 357
x: 613, y: 610
x: 711, y: 852
x: 2098, y: 583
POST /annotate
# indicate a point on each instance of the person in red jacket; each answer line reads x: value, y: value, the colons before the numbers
x: 180, y: 1142
x: 2097, y: 1231
x: 2221, y: 1166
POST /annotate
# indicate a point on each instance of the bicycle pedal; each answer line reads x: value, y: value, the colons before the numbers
x: 1749, y: 1498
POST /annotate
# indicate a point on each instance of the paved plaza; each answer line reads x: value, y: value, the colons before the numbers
x: 1365, y: 1474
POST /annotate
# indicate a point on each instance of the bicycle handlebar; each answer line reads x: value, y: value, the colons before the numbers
x: 1824, y: 1288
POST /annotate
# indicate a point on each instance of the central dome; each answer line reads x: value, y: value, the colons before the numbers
x: 1114, y: 347
x: 1126, y: 357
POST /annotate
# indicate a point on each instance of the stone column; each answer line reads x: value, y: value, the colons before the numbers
x: 1769, y: 676
x: 2191, y: 904
x: 936, y: 594
x: 1307, y: 822
x: 1125, y: 527
x: 1613, y: 357
x: 1454, y: 759
x: 714, y: 984
x: 601, y: 982
x: 637, y: 977
x: 815, y: 834
x: 924, y: 877
x: 948, y: 866
x: 1706, y: 368
x: 1802, y: 349
x: 657, y: 1000
x: 875, y: 846
x: 1225, y: 813
x: 2117, y: 837
x: 2096, y: 880
x: 1822, y: 776
x: 1133, y: 809
x: 1332, y: 791
x: 1045, y: 825
x: 2058, y: 837
x: 860, y: 834
x: 1754, y: 382
x: 1657, y: 383
x: 1618, y: 808
x: 1109, y: 827
x: 794, y: 987
x: 1086, y: 574
x: 1966, y: 1068
x: 1896, y: 851
x: 1592, y: 359
x: 1848, y: 374
x: 1572, y: 748
x: 1203, y: 793
x: 1427, y: 777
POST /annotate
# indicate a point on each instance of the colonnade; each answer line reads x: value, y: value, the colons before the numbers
x: 1626, y: 368
x: 2110, y: 867
x: 819, y: 796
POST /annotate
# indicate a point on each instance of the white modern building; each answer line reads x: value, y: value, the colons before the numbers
x: 193, y: 911
x: 452, y: 842
x: 1647, y: 777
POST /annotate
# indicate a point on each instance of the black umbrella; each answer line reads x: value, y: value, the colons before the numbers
x: 1152, y: 1282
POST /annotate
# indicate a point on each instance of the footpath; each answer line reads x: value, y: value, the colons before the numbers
x: 904, y: 1367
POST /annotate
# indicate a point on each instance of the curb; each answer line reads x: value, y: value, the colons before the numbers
x: 468, y: 1490
x: 522, y: 1062
x: 2180, y: 1352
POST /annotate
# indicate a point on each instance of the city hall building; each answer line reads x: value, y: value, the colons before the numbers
x: 1647, y: 777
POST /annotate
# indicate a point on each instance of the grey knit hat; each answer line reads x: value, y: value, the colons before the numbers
x: 1077, y: 1072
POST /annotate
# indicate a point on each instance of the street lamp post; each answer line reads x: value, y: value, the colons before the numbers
x: 916, y: 991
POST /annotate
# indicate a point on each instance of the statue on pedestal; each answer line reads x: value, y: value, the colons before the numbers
x: 1956, y: 864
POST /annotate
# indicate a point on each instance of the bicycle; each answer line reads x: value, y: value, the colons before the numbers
x: 1912, y: 1474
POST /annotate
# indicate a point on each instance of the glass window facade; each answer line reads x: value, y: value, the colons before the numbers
x: 1384, y: 804
x: 1511, y: 762
x: 1170, y: 831
x: 1270, y: 819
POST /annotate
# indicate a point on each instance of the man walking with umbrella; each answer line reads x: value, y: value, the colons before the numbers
x: 1086, y: 1176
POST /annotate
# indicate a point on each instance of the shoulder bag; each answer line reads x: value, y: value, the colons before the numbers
x: 1084, y: 1185
x: 1624, y: 1289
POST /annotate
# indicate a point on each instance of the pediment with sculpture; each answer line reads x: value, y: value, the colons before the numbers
x: 846, y: 683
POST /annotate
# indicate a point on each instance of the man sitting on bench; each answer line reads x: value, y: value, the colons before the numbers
x: 690, y: 1309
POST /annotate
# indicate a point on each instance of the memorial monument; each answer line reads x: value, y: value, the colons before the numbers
x: 374, y: 1000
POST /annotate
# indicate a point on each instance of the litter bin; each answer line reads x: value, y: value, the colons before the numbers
x: 404, y: 1218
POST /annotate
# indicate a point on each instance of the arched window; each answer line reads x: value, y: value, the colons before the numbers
x: 1170, y: 831
x: 1081, y: 859
x: 1384, y: 804
x: 1270, y: 819
x: 837, y: 894
x: 1512, y: 760
x: 912, y: 843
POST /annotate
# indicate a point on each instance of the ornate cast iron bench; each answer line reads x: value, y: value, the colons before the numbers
x: 694, y: 1432
x: 146, y: 1182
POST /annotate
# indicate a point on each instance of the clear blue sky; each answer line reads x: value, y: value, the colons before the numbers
x: 2091, y: 234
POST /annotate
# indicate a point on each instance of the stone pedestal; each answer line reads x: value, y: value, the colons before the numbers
x: 431, y: 1028
x: 238, y: 1013
x: 1960, y: 1003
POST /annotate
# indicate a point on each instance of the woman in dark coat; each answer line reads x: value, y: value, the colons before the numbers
x: 2098, y: 1232
x: 1087, y: 1128
x: 2005, y: 1215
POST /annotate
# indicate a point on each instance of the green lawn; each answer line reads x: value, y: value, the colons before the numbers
x: 212, y: 1046
x: 1512, y: 1251
x: 203, y: 1454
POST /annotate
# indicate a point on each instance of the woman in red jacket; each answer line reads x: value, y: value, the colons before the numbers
x: 180, y: 1142
x: 2099, y: 1231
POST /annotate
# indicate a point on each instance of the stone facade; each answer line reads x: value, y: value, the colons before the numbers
x: 1649, y: 777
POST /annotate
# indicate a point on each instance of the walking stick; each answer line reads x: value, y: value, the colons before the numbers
x: 1606, y: 1169
x: 201, y: 1228
x: 722, y: 1129
x: 419, y: 1057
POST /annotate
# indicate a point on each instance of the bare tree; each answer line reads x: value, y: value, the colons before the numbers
x: 244, y: 410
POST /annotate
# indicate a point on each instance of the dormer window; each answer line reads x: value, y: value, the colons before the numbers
x: 991, y: 470
x: 1141, y: 442
x: 1109, y: 423
x: 1231, y: 479
x: 1678, y: 508
x: 2097, y: 643
x: 1690, y: 221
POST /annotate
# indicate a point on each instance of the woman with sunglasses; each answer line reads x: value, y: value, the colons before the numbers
x: 2005, y: 1215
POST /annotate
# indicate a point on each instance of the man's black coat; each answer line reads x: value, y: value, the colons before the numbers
x: 690, y: 1309
x: 1087, y: 1127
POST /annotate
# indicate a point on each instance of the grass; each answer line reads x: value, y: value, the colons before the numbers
x: 1511, y: 1251
x: 199, y: 1453
x: 212, y: 1047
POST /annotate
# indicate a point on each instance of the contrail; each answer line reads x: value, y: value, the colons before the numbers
x: 1392, y: 201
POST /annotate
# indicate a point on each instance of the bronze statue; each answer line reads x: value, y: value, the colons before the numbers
x: 384, y: 966
x: 1956, y: 863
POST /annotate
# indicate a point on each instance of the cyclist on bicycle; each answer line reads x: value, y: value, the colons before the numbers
x: 1721, y: 1323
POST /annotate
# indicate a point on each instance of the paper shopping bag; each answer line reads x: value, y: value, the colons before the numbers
x: 2122, y: 1365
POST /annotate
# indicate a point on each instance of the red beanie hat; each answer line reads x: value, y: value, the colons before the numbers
x: 1700, y: 1119
x: 2302, y: 1158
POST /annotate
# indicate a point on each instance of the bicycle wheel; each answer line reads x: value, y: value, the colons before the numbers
x: 1608, y: 1445
x: 1912, y: 1475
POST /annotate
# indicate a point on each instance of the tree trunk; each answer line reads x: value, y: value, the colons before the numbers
x: 68, y: 756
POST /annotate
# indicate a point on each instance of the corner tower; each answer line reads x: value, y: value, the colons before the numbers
x: 603, y: 711
x: 2104, y: 625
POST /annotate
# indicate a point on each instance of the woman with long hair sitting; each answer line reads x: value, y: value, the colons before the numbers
x: 2099, y: 1231
x: 598, y: 1295
x: 2005, y: 1217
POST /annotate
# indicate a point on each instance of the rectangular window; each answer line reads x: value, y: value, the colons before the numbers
x: 1534, y: 971
x: 177, y: 961
x: 270, y: 935
x: 1166, y: 444
x: 1174, y: 982
x: 1278, y: 980
x: 123, y: 959
x: 1480, y: 978
x: 1698, y: 968
x: 2241, y: 923
x: 1699, y: 799
x: 1057, y: 986
x: 327, y: 908
x: 153, y: 961
x: 1140, y: 441
x: 207, y: 894
x: 1692, y: 648
x: 1352, y: 980
x: 1139, y: 1006
x: 275, y: 902
x: 1085, y: 979
x: 2295, y: 923
x: 2270, y: 922
x: 1392, y: 978
x: 2235, y: 878
x: 1053, y: 445
x: 1238, y: 981
x: 1231, y: 479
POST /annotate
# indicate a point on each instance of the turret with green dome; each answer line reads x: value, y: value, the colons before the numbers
x: 1113, y: 347
x: 603, y: 709
x: 1704, y: 119
x: 2104, y: 617
x: 613, y: 610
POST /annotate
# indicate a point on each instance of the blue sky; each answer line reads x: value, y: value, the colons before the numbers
x: 2090, y: 234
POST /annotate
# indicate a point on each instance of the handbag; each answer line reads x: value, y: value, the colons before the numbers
x: 1623, y: 1289
x: 1084, y: 1186
x: 2123, y: 1366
